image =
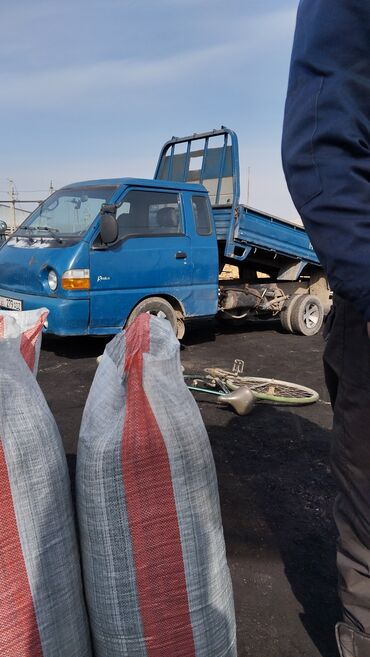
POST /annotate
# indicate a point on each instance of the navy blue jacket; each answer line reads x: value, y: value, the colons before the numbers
x: 326, y: 139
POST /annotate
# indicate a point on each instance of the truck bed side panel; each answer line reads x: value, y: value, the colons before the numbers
x: 262, y: 231
x: 258, y: 229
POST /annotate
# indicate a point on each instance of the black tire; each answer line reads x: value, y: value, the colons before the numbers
x: 155, y: 306
x: 307, y: 315
x: 286, y: 313
x: 180, y: 326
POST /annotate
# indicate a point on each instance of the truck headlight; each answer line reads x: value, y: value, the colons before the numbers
x: 76, y: 279
x: 52, y: 280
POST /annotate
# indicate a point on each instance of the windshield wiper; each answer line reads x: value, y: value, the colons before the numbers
x: 53, y: 233
x: 30, y: 228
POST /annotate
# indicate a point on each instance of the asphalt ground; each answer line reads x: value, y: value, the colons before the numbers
x: 275, y: 484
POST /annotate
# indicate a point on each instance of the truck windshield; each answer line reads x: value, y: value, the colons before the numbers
x: 69, y: 211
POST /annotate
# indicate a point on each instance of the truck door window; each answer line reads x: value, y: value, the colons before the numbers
x: 202, y: 215
x: 149, y: 213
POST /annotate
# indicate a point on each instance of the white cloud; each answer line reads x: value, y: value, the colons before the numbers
x: 80, y: 84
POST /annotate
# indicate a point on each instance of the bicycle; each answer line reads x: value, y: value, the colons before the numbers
x: 226, y: 384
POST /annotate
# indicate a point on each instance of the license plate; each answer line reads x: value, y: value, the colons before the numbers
x: 10, y: 304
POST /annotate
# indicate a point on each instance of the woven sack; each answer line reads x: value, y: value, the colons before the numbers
x: 25, y: 327
x: 42, y: 610
x: 152, y: 546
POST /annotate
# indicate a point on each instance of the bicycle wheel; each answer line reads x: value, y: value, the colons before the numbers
x: 270, y: 390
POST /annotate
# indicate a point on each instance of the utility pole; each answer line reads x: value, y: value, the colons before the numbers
x: 51, y: 188
x: 248, y: 184
x: 12, y: 199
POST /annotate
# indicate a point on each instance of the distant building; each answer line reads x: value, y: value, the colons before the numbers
x: 7, y: 214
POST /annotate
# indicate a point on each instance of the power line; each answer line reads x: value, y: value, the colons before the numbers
x: 25, y: 191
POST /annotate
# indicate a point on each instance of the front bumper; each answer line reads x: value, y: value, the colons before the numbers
x: 66, y: 316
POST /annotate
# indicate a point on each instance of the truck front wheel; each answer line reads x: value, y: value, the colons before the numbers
x: 161, y: 308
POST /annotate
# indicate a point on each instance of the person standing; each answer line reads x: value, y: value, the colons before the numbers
x: 326, y: 160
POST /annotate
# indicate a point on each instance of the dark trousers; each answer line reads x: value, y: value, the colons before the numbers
x: 347, y: 370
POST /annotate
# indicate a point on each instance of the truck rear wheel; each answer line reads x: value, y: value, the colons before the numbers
x: 286, y: 313
x: 307, y: 315
x: 161, y: 308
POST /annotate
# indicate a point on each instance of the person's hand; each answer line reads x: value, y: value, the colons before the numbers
x: 368, y: 329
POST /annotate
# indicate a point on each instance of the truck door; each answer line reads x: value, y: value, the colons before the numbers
x: 205, y: 255
x: 152, y: 257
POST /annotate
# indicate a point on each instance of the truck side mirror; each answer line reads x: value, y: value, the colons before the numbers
x: 108, y: 223
x: 3, y: 229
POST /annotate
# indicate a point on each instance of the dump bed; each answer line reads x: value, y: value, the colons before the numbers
x: 253, y: 229
x: 212, y: 159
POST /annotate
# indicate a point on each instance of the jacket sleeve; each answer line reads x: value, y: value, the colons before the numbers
x: 326, y: 139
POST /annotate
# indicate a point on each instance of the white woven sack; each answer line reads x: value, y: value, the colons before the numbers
x: 152, y: 546
x: 25, y: 329
x: 42, y: 611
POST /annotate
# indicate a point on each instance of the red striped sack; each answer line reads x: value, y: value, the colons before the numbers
x: 42, y: 612
x: 25, y: 328
x: 152, y: 545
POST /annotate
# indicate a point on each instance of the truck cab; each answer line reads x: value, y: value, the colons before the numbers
x: 163, y: 258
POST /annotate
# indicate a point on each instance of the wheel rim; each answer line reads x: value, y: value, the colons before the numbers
x: 311, y: 315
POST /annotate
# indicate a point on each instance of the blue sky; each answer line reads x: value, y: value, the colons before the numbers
x: 92, y: 88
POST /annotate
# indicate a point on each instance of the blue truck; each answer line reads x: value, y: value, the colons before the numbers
x: 98, y: 253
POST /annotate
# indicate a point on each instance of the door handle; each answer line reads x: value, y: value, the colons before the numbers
x: 181, y: 255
